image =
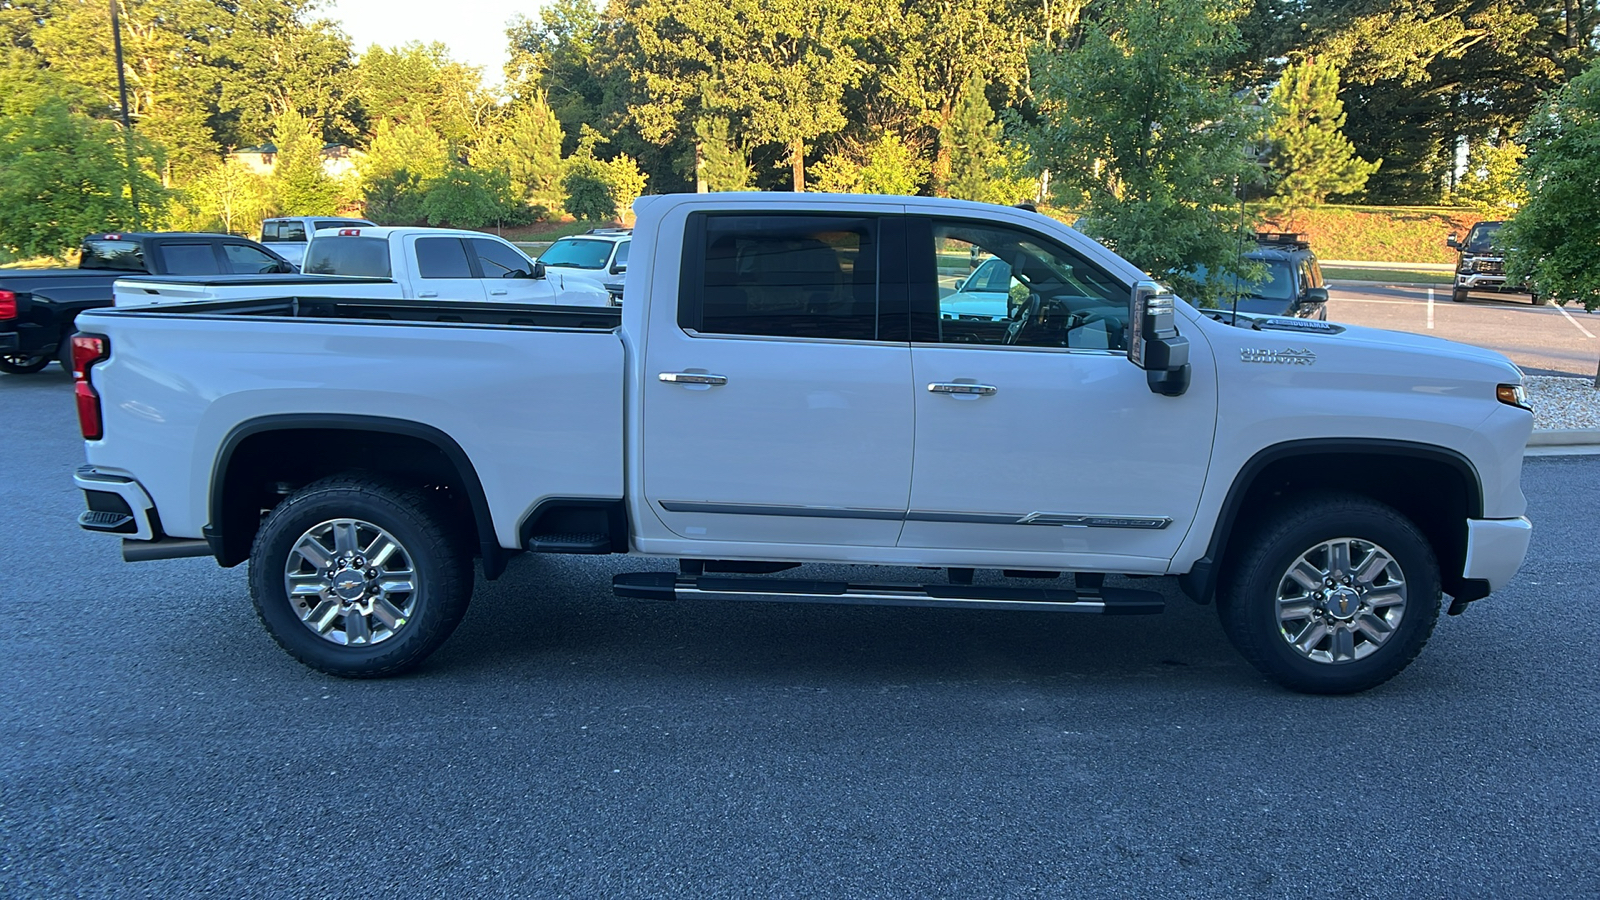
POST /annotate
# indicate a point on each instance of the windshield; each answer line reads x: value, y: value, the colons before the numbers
x: 366, y: 257
x: 1481, y: 238
x: 1277, y: 282
x: 577, y: 253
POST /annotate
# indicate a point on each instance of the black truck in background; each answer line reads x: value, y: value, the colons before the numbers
x: 38, y: 307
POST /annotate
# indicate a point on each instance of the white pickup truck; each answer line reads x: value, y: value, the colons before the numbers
x: 781, y: 388
x: 387, y: 263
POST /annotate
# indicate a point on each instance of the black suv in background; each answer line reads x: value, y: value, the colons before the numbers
x: 1480, y: 265
x: 1291, y: 285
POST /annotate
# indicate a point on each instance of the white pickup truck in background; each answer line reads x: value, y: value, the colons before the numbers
x: 780, y: 388
x: 288, y: 236
x: 388, y: 264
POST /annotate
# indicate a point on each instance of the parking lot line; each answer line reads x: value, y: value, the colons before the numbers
x: 1575, y: 323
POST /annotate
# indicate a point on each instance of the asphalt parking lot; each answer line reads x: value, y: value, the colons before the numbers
x: 155, y: 742
x: 1543, y: 340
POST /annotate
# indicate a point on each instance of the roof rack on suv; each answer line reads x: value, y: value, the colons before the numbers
x: 613, y: 230
x: 1283, y: 239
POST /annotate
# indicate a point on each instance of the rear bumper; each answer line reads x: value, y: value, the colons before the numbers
x: 1495, y: 550
x: 9, y: 342
x: 117, y: 505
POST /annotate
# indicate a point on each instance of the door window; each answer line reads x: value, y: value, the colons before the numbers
x: 1004, y: 286
x: 191, y: 259
x: 499, y: 261
x: 442, y: 258
x: 244, y: 259
x: 783, y: 276
x: 621, y: 259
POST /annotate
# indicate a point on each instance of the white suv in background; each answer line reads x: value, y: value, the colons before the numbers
x: 601, y: 254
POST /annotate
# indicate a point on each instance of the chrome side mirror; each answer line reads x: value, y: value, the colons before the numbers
x: 1154, y: 344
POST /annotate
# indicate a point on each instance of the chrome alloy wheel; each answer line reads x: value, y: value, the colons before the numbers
x: 1341, y: 600
x: 351, y: 582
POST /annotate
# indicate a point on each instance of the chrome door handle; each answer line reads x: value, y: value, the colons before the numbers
x: 692, y: 378
x: 427, y: 293
x: 499, y: 293
x: 982, y: 390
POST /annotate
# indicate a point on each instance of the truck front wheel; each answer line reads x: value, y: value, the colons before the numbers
x: 358, y: 577
x: 1334, y: 595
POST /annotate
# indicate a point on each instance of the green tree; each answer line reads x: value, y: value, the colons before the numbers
x: 1138, y: 119
x: 419, y: 84
x: 300, y: 186
x: 723, y: 165
x: 467, y: 198
x: 597, y: 190
x: 559, y: 56
x: 1308, y: 153
x: 886, y: 166
x: 400, y: 160
x: 227, y: 197
x: 1552, y: 239
x: 982, y: 165
x: 526, y: 144
x: 1491, y: 181
x: 63, y: 174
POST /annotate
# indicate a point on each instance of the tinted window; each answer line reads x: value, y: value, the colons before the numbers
x: 123, y: 256
x: 499, y: 261
x: 292, y: 232
x: 621, y: 259
x: 1025, y: 291
x: 190, y: 259
x: 362, y: 257
x: 787, y: 276
x: 442, y: 258
x: 244, y: 259
x: 341, y: 223
x: 579, y: 253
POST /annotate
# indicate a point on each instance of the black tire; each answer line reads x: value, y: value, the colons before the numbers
x: 1459, y: 295
x: 441, y: 576
x: 17, y: 364
x: 1248, y: 597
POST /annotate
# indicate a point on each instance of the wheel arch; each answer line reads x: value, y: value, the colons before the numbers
x: 413, y: 450
x: 1436, y: 487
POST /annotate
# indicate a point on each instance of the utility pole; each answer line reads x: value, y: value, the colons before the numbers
x: 127, y: 126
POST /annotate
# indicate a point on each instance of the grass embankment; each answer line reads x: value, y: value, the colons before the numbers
x: 1408, y: 234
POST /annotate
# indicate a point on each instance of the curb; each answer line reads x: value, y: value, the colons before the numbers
x: 1564, y: 442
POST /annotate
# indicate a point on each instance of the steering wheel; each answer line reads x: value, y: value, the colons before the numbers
x: 1021, y: 316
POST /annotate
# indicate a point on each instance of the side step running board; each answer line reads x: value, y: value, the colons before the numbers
x: 672, y: 586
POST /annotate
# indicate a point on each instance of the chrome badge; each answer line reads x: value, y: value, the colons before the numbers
x: 1281, y: 357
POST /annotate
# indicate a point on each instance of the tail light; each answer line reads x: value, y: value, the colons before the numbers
x: 88, y: 349
x: 8, y: 305
x: 349, y: 232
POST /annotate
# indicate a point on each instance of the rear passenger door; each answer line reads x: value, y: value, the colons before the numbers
x: 776, y: 390
x: 445, y: 271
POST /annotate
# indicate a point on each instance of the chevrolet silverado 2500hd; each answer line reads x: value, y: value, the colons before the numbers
x: 395, y: 263
x: 781, y: 388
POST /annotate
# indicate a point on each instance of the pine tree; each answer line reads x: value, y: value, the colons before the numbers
x: 526, y: 145
x: 300, y: 187
x: 1309, y: 154
x: 973, y: 141
x: 723, y: 166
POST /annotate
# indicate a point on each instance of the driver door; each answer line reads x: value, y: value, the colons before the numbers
x: 1035, y: 434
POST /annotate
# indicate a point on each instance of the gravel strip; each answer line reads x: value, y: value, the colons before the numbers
x: 1563, y: 402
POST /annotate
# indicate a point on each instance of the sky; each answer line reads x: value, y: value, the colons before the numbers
x: 474, y: 30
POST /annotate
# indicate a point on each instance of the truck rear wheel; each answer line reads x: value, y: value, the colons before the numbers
x: 1332, y: 596
x: 358, y: 577
x: 17, y: 364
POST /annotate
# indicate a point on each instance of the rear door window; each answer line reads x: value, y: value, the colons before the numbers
x: 191, y: 259
x: 785, y: 276
x: 442, y: 258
